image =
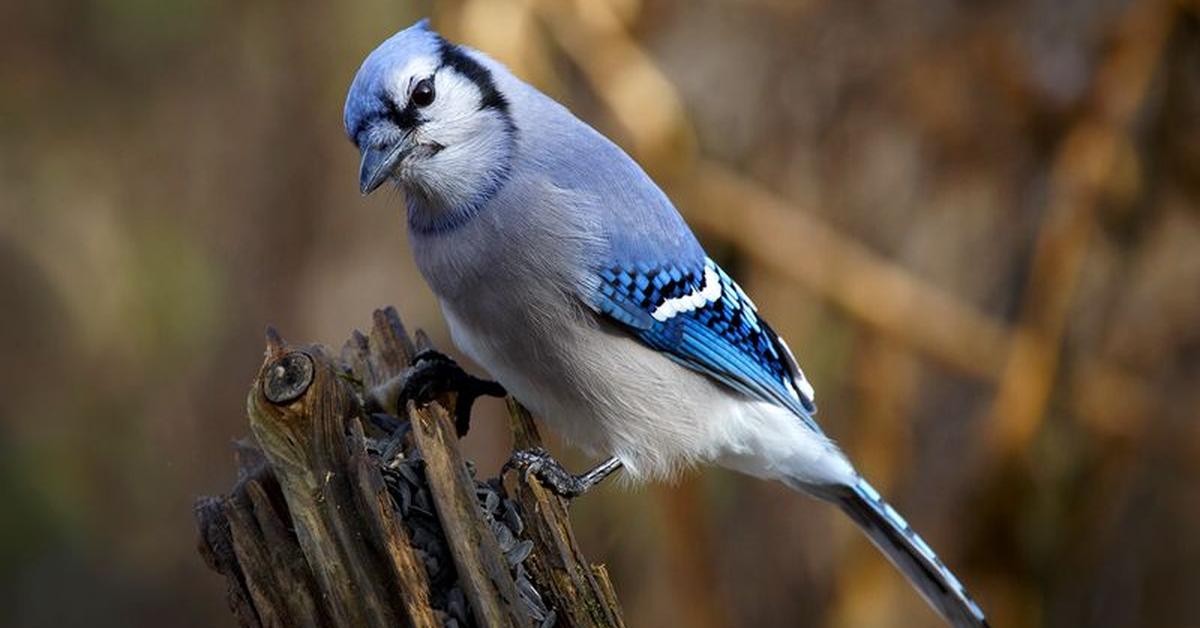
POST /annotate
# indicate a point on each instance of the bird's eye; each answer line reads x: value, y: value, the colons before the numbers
x: 423, y: 94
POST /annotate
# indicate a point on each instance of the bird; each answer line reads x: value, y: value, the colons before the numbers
x: 564, y: 271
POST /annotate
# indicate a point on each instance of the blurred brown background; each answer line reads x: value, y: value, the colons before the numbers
x: 976, y: 223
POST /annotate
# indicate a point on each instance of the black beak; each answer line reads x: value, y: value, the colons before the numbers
x: 377, y: 165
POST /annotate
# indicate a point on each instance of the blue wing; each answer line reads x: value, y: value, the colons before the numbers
x: 700, y: 318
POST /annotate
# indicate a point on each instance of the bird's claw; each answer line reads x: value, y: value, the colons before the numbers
x: 539, y: 463
x: 433, y: 374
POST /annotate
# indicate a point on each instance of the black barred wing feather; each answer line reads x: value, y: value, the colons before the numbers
x: 697, y: 315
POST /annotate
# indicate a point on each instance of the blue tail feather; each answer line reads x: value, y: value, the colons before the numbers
x: 909, y: 552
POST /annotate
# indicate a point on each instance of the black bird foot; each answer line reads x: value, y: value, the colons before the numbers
x: 434, y: 374
x: 540, y: 463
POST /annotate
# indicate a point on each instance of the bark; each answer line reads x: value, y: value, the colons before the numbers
x: 348, y: 514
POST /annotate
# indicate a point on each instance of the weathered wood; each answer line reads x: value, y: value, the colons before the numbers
x: 481, y: 566
x: 557, y: 561
x: 290, y: 598
x: 389, y: 536
x: 305, y: 442
x: 216, y: 547
x: 315, y: 532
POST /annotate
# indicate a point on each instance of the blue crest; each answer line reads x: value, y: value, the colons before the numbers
x: 367, y: 97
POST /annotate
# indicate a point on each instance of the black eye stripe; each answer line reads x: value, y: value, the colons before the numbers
x: 406, y: 118
x: 409, y: 116
x: 454, y: 57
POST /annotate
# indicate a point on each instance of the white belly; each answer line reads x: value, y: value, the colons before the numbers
x: 612, y: 396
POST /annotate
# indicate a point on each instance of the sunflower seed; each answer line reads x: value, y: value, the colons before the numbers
x: 518, y: 554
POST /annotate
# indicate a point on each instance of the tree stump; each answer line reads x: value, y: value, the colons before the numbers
x: 351, y: 512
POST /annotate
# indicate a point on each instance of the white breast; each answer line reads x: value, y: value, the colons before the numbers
x: 613, y: 396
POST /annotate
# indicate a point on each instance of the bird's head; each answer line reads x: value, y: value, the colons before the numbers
x: 429, y: 115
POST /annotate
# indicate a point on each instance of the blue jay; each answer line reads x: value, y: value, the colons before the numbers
x: 564, y: 271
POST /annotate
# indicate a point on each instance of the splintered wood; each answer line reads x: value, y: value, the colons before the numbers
x: 330, y: 526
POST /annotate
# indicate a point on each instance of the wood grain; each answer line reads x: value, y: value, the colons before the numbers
x: 312, y: 535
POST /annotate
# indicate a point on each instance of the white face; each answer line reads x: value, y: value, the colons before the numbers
x: 447, y: 129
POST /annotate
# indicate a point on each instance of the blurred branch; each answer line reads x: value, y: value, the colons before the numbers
x: 624, y: 77
x: 693, y: 576
x: 872, y: 290
x: 1082, y: 169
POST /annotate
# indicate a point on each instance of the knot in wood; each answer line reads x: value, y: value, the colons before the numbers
x: 288, y: 377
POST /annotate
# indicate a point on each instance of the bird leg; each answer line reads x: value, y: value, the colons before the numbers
x: 539, y: 462
x: 434, y: 374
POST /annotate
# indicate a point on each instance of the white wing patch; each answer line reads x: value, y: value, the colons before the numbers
x: 799, y: 381
x: 708, y: 293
